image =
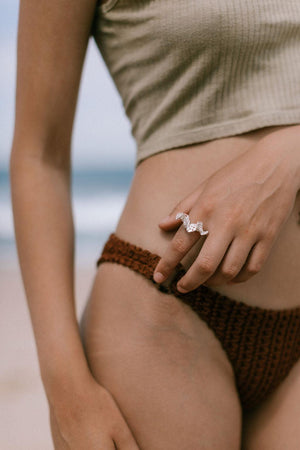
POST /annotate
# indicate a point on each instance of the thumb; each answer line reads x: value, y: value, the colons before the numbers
x: 170, y: 222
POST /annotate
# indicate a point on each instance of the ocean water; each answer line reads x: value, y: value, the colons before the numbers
x: 98, y: 197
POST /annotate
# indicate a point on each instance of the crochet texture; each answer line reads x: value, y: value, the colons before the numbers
x: 261, y: 344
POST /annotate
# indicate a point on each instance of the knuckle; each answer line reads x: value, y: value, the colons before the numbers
x: 208, y: 207
x: 205, y: 265
x: 230, y: 271
x: 270, y: 234
x: 179, y: 245
x: 232, y: 220
x: 249, y: 231
x: 254, y: 268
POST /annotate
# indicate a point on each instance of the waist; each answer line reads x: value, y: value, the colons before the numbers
x: 164, y: 179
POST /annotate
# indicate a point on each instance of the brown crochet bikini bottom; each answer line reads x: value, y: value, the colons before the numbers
x: 261, y: 344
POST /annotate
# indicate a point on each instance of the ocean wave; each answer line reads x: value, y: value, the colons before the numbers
x: 98, y: 214
x: 93, y: 215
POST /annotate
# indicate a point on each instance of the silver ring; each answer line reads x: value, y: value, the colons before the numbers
x: 190, y: 226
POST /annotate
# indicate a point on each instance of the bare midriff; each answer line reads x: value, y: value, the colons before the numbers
x: 162, y: 180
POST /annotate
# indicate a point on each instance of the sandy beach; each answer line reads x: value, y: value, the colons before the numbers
x: 24, y: 423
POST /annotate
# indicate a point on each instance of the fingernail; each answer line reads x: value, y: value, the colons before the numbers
x: 181, y: 289
x: 158, y: 277
x: 165, y: 219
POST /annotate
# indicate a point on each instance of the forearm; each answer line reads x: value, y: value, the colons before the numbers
x: 45, y: 242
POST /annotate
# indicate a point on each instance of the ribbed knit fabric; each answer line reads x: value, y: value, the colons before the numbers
x: 191, y: 71
x: 261, y: 344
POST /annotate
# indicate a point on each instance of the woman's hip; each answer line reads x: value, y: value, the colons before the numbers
x: 165, y: 179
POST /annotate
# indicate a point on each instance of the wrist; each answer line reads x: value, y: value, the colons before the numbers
x: 65, y: 368
x: 62, y: 385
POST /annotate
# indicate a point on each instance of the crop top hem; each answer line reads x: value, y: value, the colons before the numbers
x: 215, y: 131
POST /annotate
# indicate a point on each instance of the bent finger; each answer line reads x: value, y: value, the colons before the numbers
x: 254, y: 262
x: 181, y: 243
x: 233, y: 261
x: 206, y: 263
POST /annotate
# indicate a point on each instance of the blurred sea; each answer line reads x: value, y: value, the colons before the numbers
x: 98, y: 197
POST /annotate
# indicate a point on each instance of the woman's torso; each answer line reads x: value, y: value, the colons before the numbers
x: 164, y: 179
x: 189, y: 75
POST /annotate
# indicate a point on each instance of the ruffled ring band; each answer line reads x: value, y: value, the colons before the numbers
x: 191, y: 226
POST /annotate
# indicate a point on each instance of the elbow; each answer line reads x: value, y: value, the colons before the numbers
x: 26, y: 155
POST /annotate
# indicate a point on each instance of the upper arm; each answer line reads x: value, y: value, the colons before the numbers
x: 52, y: 41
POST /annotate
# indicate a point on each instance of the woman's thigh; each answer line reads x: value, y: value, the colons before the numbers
x: 163, y: 365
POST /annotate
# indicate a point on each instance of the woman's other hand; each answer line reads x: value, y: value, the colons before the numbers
x: 243, y: 206
x: 89, y: 418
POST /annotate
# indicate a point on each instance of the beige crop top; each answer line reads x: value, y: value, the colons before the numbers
x: 194, y: 70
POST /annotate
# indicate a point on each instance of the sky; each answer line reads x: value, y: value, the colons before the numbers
x: 101, y: 132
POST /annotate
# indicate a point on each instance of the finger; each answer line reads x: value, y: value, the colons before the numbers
x: 254, y: 262
x: 170, y: 222
x: 209, y: 258
x: 176, y: 250
x: 233, y: 261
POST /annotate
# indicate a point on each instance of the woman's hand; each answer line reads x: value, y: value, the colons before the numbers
x: 89, y: 418
x: 243, y: 206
